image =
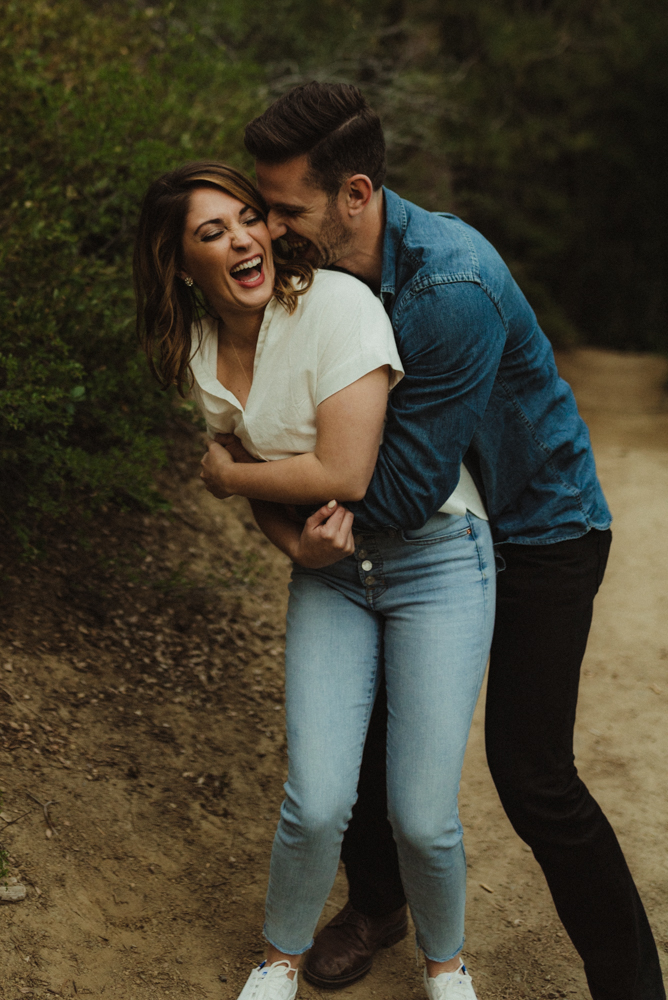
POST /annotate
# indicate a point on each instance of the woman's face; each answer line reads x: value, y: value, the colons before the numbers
x: 227, y: 252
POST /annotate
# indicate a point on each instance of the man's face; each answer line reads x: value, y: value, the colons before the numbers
x: 302, y: 213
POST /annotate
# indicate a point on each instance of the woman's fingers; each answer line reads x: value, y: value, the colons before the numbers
x: 327, y: 537
x: 336, y: 522
x: 325, y: 513
x: 213, y: 462
x: 216, y: 451
x: 235, y: 448
x: 331, y: 529
x: 345, y: 533
x: 326, y: 522
x: 336, y: 531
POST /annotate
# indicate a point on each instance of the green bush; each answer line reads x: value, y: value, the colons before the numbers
x: 94, y: 107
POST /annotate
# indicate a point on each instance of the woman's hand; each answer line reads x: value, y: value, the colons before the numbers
x: 323, y: 540
x: 349, y: 424
x: 327, y: 537
x: 214, y: 464
x: 225, y: 450
x: 232, y: 443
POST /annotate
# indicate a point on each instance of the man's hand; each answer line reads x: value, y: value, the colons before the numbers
x: 327, y: 537
x: 213, y: 469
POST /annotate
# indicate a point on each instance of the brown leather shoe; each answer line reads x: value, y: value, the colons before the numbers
x: 343, y: 950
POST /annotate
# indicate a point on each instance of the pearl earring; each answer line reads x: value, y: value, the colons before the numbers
x: 189, y: 282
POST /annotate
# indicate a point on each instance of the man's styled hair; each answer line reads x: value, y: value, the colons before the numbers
x: 332, y: 123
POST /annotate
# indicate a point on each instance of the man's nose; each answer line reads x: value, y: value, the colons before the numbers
x: 275, y: 226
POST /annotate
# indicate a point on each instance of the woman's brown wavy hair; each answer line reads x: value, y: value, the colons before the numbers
x: 167, y: 309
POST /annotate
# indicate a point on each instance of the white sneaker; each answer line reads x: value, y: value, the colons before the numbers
x: 271, y: 982
x: 450, y: 985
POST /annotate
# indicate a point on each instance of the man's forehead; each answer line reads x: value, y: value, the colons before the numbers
x: 286, y: 185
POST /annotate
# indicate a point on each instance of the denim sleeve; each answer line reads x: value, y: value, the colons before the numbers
x: 451, y: 338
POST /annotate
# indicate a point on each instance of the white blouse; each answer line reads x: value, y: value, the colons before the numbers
x: 338, y: 333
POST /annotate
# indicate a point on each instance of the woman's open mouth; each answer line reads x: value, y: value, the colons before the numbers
x: 249, y: 273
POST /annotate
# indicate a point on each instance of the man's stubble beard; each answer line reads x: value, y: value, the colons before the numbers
x: 334, y: 240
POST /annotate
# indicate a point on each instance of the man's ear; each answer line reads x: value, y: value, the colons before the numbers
x: 358, y: 192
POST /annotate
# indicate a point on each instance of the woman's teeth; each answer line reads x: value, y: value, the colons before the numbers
x: 244, y: 269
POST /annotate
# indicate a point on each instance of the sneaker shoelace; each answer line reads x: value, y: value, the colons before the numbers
x: 270, y: 981
x: 457, y: 987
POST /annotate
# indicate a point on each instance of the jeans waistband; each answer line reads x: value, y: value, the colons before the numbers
x: 438, y: 520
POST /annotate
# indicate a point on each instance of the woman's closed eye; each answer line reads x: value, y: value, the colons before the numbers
x: 208, y: 237
x: 216, y: 233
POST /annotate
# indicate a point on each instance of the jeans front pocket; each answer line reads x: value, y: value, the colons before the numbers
x: 439, y: 528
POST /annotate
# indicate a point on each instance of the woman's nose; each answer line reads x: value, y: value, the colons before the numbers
x: 240, y: 237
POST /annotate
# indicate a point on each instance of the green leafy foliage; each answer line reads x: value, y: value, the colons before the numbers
x: 94, y: 108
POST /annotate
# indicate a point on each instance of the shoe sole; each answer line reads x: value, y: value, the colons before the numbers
x: 339, y: 982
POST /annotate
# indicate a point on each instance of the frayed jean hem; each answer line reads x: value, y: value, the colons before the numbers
x: 430, y: 958
x: 284, y: 951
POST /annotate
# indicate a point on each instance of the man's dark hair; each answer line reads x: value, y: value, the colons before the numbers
x: 330, y: 122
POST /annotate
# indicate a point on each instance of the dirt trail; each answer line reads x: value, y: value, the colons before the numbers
x: 140, y: 692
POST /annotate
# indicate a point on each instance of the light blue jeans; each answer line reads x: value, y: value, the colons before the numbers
x: 421, y: 604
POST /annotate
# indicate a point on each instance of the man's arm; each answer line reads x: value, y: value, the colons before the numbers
x: 451, y: 339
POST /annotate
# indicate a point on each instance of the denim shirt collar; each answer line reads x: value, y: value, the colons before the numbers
x: 396, y: 222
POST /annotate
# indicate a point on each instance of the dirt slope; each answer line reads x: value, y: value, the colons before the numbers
x: 141, y: 694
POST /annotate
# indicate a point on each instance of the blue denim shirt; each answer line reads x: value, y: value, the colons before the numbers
x: 481, y: 386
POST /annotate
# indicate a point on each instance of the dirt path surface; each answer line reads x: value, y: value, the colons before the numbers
x: 141, y: 696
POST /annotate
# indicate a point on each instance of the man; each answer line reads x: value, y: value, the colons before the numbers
x: 481, y: 387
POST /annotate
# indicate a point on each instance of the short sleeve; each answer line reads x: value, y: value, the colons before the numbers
x: 355, y: 336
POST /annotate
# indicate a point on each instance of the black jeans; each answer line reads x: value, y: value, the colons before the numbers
x: 545, y: 598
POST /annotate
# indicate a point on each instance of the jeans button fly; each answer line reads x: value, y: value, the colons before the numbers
x: 367, y: 565
x: 370, y: 580
x: 361, y: 553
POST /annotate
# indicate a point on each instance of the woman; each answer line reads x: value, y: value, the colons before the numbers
x: 297, y: 366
